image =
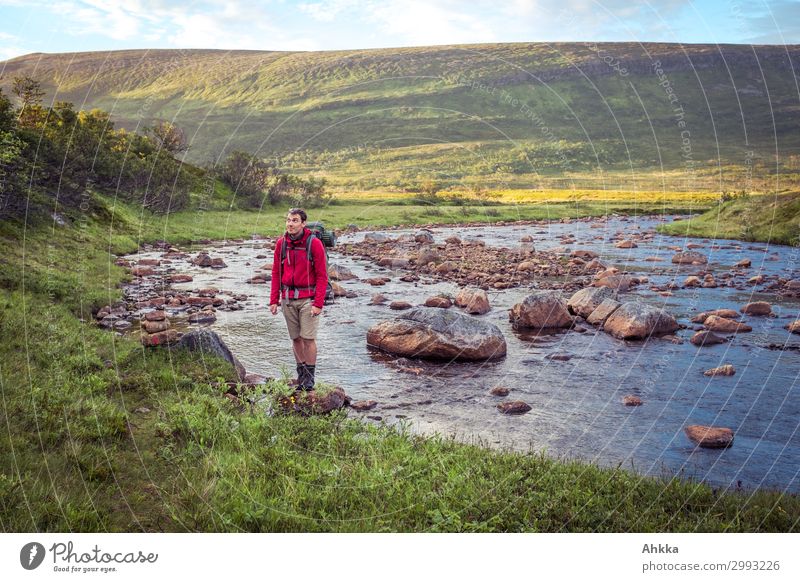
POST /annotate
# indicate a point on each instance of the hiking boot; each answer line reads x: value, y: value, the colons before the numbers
x: 310, y: 371
x: 305, y: 377
x: 301, y: 371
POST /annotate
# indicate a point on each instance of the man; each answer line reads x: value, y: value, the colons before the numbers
x: 299, y: 282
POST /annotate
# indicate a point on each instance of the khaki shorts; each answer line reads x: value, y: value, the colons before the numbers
x: 299, y: 320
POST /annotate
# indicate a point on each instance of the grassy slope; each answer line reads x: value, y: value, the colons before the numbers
x: 388, y: 118
x: 752, y: 218
x: 75, y: 456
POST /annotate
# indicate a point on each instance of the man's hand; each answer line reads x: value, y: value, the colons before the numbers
x: 274, y: 309
x: 315, y: 311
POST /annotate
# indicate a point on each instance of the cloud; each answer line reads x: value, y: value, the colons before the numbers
x: 776, y: 22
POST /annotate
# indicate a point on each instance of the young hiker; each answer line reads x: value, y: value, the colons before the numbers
x: 299, y: 282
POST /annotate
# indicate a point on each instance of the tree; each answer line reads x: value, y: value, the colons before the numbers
x: 30, y: 94
x: 169, y: 137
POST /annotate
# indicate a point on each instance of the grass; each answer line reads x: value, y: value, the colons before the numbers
x: 100, y: 434
x: 770, y: 218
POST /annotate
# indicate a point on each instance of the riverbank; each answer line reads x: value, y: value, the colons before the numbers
x: 106, y: 435
x: 768, y: 218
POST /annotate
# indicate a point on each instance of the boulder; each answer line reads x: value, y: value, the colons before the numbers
x: 725, y: 325
x: 155, y: 326
x: 438, y: 334
x: 541, y: 310
x: 363, y: 405
x: 340, y: 273
x: 794, y: 327
x: 142, y: 271
x: 313, y: 402
x: 447, y: 267
x: 635, y: 320
x: 376, y: 237
x: 159, y: 339
x: 584, y: 254
x: 757, y: 308
x: 156, y: 315
x: 499, y: 391
x: 208, y: 343
x: 616, y: 282
x: 626, y: 244
x: 338, y: 290
x: 474, y: 301
x: 727, y: 313
x: 603, y: 312
x: 744, y: 263
x: 427, y: 255
x: 689, y: 258
x: 180, y: 279
x: 710, y: 437
x: 726, y: 370
x: 378, y: 299
x: 203, y: 317
x: 513, y: 407
x: 393, y: 262
x: 585, y: 301
x: 424, y: 236
x: 437, y: 301
x: 400, y: 305
x: 692, y: 281
x: 707, y: 338
x: 631, y: 400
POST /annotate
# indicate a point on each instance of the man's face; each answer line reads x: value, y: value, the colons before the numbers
x: 294, y: 224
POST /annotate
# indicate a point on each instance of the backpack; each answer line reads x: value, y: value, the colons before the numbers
x: 328, y: 239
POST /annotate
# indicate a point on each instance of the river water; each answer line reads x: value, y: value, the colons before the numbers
x: 577, y: 411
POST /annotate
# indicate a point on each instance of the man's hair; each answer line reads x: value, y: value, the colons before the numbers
x: 299, y: 212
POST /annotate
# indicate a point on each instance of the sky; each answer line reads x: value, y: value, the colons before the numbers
x: 51, y: 26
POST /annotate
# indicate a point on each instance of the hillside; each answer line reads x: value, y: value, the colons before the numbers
x: 613, y: 115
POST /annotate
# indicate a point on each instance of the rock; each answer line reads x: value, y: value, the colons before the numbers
x: 692, y: 281
x: 338, y: 290
x: 792, y: 285
x: 340, y: 273
x: 208, y: 292
x: 725, y: 325
x: 626, y: 244
x: 149, y: 262
x: 635, y: 320
x: 794, y: 327
x: 757, y: 308
x: 526, y: 238
x: 393, y: 262
x: 208, y: 343
x: 400, y: 305
x: 706, y: 338
x: 584, y: 254
x: 203, y: 317
x: 710, y: 437
x: 559, y: 357
x: 363, y: 405
x: 259, y: 279
x: 142, y: 271
x: 447, y: 267
x: 452, y: 240
x: 122, y: 325
x: 474, y: 301
x: 200, y: 301
x: 499, y: 391
x: 689, y: 258
x: 616, y: 282
x: 155, y: 326
x: 541, y: 310
x: 438, y: 334
x: 159, y: 339
x: 378, y: 299
x: 631, y: 400
x: 727, y: 313
x: 376, y: 237
x: 514, y: 407
x: 441, y: 302
x: 603, y: 311
x: 427, y: 255
x: 156, y: 315
x: 744, y: 263
x: 180, y: 278
x: 424, y: 236
x: 526, y: 266
x: 313, y: 402
x: 253, y: 378
x: 585, y: 301
x: 726, y: 370
x: 377, y: 281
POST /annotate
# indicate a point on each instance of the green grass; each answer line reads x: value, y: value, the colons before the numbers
x: 770, y: 218
x: 76, y: 456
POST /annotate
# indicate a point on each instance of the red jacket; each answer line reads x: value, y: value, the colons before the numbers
x: 296, y: 273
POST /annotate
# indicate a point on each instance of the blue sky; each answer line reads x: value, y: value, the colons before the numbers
x: 98, y: 25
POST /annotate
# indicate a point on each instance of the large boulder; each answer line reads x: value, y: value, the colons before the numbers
x: 209, y: 343
x: 636, y: 320
x: 587, y: 300
x: 474, y: 301
x: 616, y: 282
x: 438, y: 334
x: 725, y: 325
x: 340, y: 273
x: 710, y: 437
x: 541, y: 310
x: 757, y: 308
x: 603, y: 311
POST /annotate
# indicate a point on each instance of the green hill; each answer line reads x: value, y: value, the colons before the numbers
x: 609, y: 115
